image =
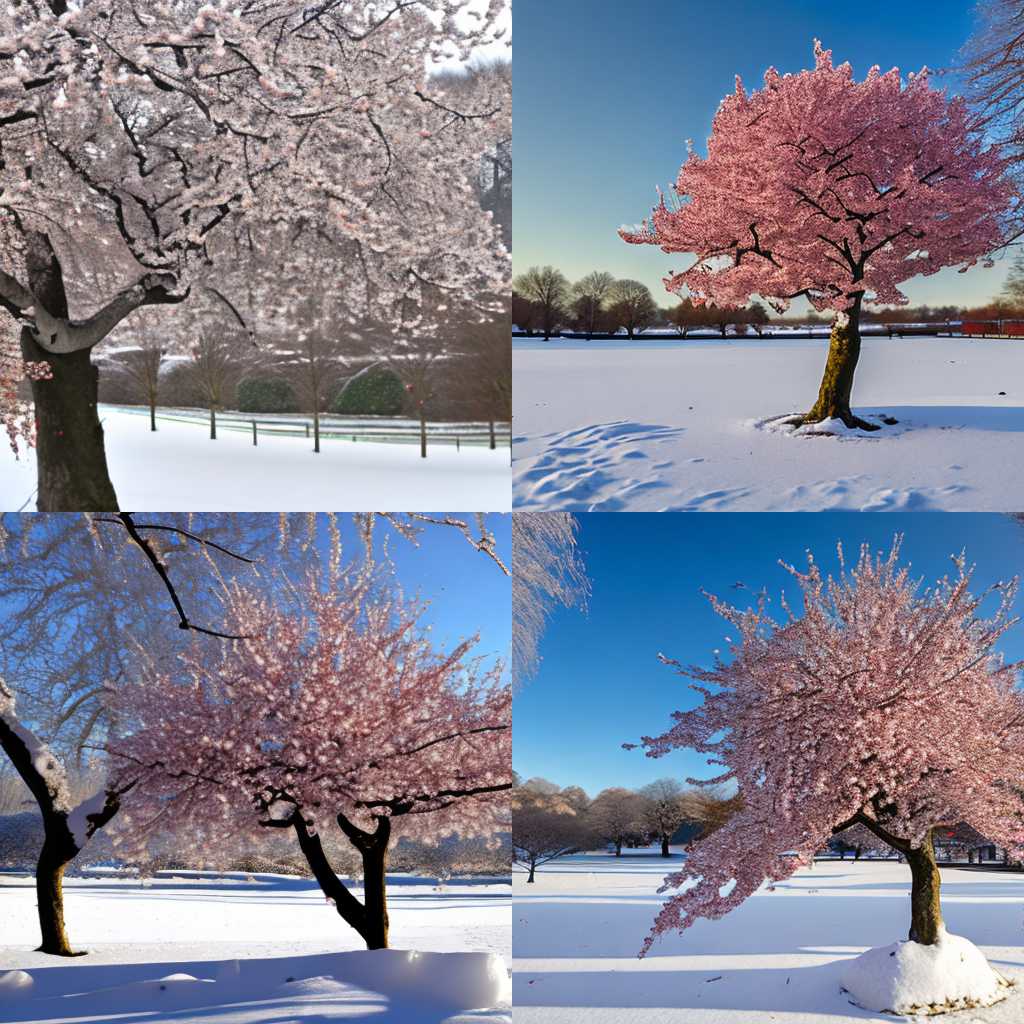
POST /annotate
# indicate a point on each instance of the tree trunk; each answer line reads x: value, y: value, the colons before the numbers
x: 856, y: 854
x: 837, y: 381
x: 71, y: 462
x: 316, y: 430
x: 925, y: 909
x: 50, y: 898
x: 664, y: 846
x: 533, y: 871
x: 423, y: 434
x: 618, y: 847
x: 152, y: 414
x: 494, y: 442
x: 213, y: 423
x: 375, y: 890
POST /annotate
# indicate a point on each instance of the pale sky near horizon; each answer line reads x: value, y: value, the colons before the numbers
x: 605, y: 95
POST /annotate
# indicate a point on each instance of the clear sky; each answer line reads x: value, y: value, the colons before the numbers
x: 606, y: 94
x: 600, y: 683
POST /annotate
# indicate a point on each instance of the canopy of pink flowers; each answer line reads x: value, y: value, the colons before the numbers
x: 878, y: 699
x: 822, y: 186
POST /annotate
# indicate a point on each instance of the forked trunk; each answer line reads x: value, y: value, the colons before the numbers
x: 71, y: 461
x: 837, y: 381
x: 50, y: 899
x: 925, y: 909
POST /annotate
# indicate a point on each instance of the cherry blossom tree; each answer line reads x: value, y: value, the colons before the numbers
x: 821, y: 186
x: 149, y: 152
x: 882, y: 705
x: 345, y: 715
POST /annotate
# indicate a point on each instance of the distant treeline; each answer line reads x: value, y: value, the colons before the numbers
x: 545, y: 303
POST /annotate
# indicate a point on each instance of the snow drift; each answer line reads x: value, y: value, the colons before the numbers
x: 907, y: 977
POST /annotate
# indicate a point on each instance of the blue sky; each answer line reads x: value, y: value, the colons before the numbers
x: 606, y: 94
x: 600, y: 683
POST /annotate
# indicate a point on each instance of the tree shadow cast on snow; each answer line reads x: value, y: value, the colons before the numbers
x: 768, y: 923
x: 256, y: 991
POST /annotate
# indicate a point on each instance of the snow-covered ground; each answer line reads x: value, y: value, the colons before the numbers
x: 261, y: 949
x: 779, y: 957
x: 179, y: 469
x: 680, y: 425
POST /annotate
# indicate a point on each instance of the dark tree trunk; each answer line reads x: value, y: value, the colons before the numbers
x: 856, y: 854
x: 152, y: 414
x: 494, y: 443
x: 369, y: 918
x: 316, y: 429
x: 213, y: 424
x: 423, y: 434
x: 533, y: 871
x: 925, y: 909
x: 618, y: 847
x: 664, y: 846
x: 837, y: 381
x: 375, y: 888
x: 50, y: 898
x: 71, y: 460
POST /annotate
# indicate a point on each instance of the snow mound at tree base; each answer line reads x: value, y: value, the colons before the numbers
x: 462, y: 980
x: 907, y: 977
x: 791, y: 425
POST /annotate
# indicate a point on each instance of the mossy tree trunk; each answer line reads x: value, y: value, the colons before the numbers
x: 837, y: 381
x: 925, y: 907
x: 925, y: 880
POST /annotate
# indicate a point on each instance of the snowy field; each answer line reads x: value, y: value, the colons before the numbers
x: 261, y: 949
x: 179, y: 469
x: 777, y: 958
x: 680, y: 425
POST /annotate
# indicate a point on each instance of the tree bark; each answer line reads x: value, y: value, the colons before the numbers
x: 837, y: 381
x: 533, y: 871
x: 423, y: 434
x: 213, y: 424
x: 152, y: 414
x: 316, y: 429
x: 664, y: 846
x: 925, y: 909
x: 375, y: 857
x: 50, y: 898
x: 494, y: 443
x: 618, y: 847
x: 71, y: 461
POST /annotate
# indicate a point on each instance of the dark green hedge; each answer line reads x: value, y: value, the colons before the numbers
x: 374, y: 392
x: 266, y: 394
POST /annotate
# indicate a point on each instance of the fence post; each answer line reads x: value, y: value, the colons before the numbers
x: 254, y: 433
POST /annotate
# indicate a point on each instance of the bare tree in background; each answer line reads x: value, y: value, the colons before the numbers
x: 632, y: 306
x: 141, y: 367
x: 216, y: 365
x: 547, y: 570
x: 993, y: 63
x: 548, y: 290
x: 665, y: 809
x: 490, y: 371
x: 590, y: 300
